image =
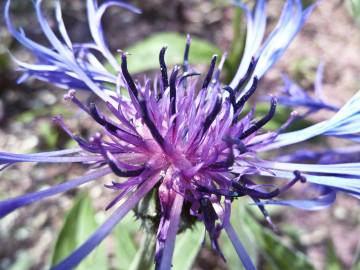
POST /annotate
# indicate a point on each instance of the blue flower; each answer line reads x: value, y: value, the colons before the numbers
x: 185, y: 137
x: 294, y: 96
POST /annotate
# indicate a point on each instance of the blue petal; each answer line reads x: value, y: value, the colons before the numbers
x: 323, y: 201
x: 345, y: 123
x: 47, y: 157
x: 240, y: 250
x: 9, y: 205
x: 291, y: 21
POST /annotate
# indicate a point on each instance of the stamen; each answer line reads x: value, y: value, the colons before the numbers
x: 298, y: 177
x: 151, y: 126
x: 163, y: 69
x: 210, y: 72
x: 173, y: 90
x: 127, y: 76
x: 220, y: 67
x: 228, y: 162
x: 243, y: 81
x: 123, y: 173
x: 71, y: 96
x: 265, y: 213
x: 96, y: 115
x: 211, y: 117
x: 231, y: 95
x: 88, y: 146
x: 259, y: 124
x: 186, y: 54
x: 221, y: 192
x: 210, y: 218
x: 247, y: 95
x: 185, y: 76
x: 111, y: 161
x: 239, y: 144
x: 253, y: 192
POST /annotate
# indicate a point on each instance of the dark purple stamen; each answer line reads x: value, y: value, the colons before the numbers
x: 95, y: 114
x: 186, y: 54
x: 227, y: 163
x: 127, y: 76
x: 247, y: 95
x: 221, y: 192
x: 210, y: 72
x: 253, y: 192
x: 124, y: 173
x: 173, y: 90
x: 150, y: 124
x: 187, y: 75
x: 259, y: 124
x: 232, y: 96
x: 264, y: 212
x: 163, y: 69
x: 238, y: 143
x: 88, y: 146
x: 243, y: 81
x: 210, y: 218
x: 298, y: 177
x: 211, y: 117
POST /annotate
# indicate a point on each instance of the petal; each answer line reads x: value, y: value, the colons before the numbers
x: 326, y: 199
x: 345, y: 123
x: 167, y: 252
x: 240, y: 250
x: 9, y: 205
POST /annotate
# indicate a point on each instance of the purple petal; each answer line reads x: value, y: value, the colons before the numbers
x: 175, y: 215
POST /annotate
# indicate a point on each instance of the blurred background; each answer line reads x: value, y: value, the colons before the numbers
x: 328, y: 239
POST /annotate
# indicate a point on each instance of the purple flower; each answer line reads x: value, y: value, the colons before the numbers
x: 184, y: 136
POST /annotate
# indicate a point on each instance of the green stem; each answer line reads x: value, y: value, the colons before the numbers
x: 144, y: 258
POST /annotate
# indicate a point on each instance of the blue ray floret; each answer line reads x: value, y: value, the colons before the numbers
x: 187, y: 137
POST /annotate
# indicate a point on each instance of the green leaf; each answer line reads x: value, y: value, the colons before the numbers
x: 332, y: 261
x: 356, y: 263
x: 187, y: 247
x: 354, y: 9
x: 79, y: 224
x: 144, y: 258
x: 144, y: 55
x: 126, y: 246
x: 277, y: 254
x: 237, y: 44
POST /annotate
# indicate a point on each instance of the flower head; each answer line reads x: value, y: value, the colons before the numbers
x: 187, y: 137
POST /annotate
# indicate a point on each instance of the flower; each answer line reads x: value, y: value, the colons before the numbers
x: 185, y: 137
x: 295, y: 96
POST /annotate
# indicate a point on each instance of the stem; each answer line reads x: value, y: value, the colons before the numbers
x: 144, y: 258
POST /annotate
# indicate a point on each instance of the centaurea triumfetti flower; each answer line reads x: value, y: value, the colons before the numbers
x: 183, y: 135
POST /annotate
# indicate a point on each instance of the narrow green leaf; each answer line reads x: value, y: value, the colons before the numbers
x: 144, y: 258
x: 277, y: 254
x: 332, y: 261
x: 125, y: 240
x: 79, y: 224
x: 237, y: 44
x: 356, y: 263
x: 187, y: 247
x: 144, y: 55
